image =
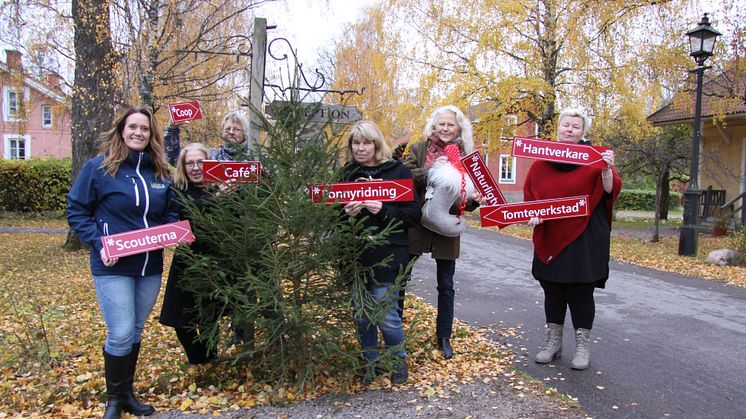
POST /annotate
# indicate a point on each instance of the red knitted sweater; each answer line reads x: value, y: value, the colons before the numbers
x: 545, y: 181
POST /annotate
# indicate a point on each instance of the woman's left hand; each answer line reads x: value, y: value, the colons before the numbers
x: 479, y: 198
x: 374, y: 207
x: 608, y: 157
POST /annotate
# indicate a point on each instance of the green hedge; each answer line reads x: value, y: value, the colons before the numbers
x: 34, y: 185
x: 643, y: 200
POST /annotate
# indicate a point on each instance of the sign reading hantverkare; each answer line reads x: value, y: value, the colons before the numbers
x: 185, y: 111
x: 147, y: 239
x: 482, y: 178
x: 560, y: 152
x: 546, y: 209
x: 378, y: 190
x: 215, y: 171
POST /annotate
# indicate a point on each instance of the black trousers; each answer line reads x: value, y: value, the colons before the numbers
x: 196, y: 351
x: 577, y: 296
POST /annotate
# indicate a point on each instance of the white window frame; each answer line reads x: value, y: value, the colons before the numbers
x: 7, y: 138
x: 7, y: 115
x: 47, y: 108
x: 511, y: 179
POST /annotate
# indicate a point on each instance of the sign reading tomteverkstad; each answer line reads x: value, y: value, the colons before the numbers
x: 215, y: 171
x: 482, y: 178
x: 147, y: 239
x: 546, y: 209
x: 398, y: 190
x: 185, y: 111
x: 560, y: 152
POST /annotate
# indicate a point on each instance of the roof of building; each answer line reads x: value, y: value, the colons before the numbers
x: 37, y: 85
x: 714, y: 91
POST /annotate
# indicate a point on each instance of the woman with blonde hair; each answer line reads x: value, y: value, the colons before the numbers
x: 369, y: 159
x: 178, y: 310
x: 125, y: 188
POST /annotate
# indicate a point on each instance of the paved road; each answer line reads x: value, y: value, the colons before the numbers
x: 664, y: 345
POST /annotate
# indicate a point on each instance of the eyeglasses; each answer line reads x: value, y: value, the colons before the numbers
x: 232, y: 129
x: 193, y: 164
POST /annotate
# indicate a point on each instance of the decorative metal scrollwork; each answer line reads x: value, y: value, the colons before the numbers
x: 316, y: 86
x: 236, y: 45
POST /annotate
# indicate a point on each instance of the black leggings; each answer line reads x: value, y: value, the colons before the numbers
x: 197, y: 351
x: 579, y: 297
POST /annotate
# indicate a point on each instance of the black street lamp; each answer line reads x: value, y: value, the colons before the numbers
x: 701, y: 44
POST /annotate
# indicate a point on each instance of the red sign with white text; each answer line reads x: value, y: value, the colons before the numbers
x: 398, y: 190
x: 482, y: 178
x: 185, y: 111
x: 546, y: 209
x: 147, y: 239
x: 560, y: 152
x: 214, y: 171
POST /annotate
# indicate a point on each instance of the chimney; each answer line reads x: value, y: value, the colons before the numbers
x: 13, y: 59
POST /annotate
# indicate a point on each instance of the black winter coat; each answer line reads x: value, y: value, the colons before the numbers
x: 409, y: 213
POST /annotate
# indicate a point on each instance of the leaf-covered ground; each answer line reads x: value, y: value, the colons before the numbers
x: 52, y: 332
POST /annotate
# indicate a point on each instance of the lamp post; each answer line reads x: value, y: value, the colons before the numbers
x: 701, y: 44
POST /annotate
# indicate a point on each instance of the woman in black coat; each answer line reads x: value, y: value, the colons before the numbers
x: 178, y: 304
x: 370, y: 160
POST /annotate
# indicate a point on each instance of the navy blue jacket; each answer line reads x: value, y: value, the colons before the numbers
x: 99, y: 204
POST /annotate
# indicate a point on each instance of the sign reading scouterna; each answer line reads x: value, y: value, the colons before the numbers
x: 185, y: 111
x: 147, y: 239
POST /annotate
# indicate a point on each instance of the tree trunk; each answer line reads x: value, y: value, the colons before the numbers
x: 93, y: 88
x: 665, y: 187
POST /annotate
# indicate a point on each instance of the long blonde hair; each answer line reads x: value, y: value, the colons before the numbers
x: 181, y: 179
x: 115, y: 151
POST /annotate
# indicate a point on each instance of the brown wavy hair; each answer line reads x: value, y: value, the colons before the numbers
x: 115, y: 151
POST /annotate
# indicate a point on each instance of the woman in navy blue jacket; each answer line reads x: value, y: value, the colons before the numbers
x: 125, y: 188
x: 370, y: 160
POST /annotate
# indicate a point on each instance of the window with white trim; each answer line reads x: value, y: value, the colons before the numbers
x: 13, y: 100
x: 17, y: 147
x: 46, y: 116
x: 507, y: 168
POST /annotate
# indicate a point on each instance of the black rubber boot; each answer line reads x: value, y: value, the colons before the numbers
x: 444, y: 344
x: 115, y: 372
x: 130, y: 404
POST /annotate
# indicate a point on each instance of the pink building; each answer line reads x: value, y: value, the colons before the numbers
x: 34, y: 114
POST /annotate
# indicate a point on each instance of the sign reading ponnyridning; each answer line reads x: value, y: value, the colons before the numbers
x: 320, y: 112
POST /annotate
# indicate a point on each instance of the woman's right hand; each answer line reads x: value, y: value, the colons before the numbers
x: 534, y: 221
x: 108, y: 262
x: 353, y: 208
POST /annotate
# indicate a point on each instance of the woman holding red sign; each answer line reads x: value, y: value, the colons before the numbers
x: 571, y: 255
x: 178, y: 310
x: 370, y: 159
x: 447, y: 126
x: 124, y: 189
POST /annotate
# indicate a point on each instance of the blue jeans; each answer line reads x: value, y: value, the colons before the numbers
x: 390, y: 325
x: 125, y: 302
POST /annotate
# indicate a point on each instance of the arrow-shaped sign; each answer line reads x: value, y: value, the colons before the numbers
x: 561, y: 152
x: 215, y: 171
x: 546, y: 209
x: 185, y: 111
x: 147, y: 239
x: 398, y: 190
x: 482, y: 178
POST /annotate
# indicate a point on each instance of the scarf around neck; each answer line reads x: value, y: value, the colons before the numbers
x: 436, y: 148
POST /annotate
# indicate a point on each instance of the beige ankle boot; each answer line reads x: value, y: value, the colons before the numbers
x: 553, y: 348
x: 582, y: 349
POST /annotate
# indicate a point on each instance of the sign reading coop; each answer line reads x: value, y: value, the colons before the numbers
x: 317, y: 112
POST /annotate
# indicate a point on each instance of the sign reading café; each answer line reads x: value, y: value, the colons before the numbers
x: 215, y: 171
